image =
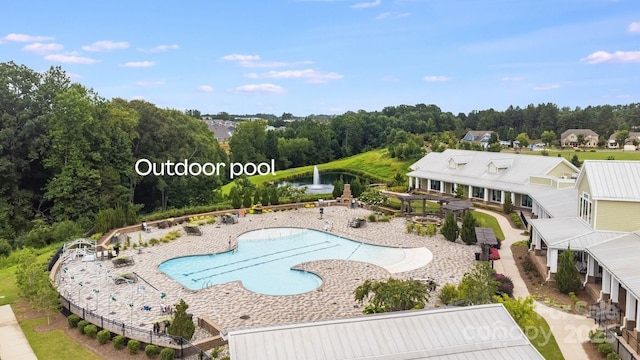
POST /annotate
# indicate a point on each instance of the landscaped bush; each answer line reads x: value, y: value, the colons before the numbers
x: 91, y: 330
x: 167, y: 354
x: 151, y: 351
x: 119, y: 342
x: 448, y: 294
x: 505, y: 284
x: 613, y: 356
x: 103, y: 336
x: 216, y: 352
x: 517, y: 221
x: 81, y: 325
x: 494, y: 254
x: 372, y: 218
x: 410, y: 227
x: 431, y: 229
x: 605, y: 348
x: 73, y: 320
x: 133, y: 346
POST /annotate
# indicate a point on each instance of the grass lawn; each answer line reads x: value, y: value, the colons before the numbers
x: 54, y: 344
x: 488, y: 221
x: 589, y: 155
x: 538, y: 334
x: 376, y: 164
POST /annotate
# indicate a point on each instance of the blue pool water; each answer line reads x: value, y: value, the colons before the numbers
x: 265, y: 257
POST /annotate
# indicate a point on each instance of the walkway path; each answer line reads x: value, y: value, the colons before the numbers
x: 569, y: 330
x: 13, y: 343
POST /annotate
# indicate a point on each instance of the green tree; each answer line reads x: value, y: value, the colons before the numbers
x: 357, y: 187
x: 460, y: 192
x: 567, y: 277
x: 575, y: 161
x: 548, y: 137
x: 468, y: 230
x: 621, y: 138
x: 248, y: 142
x: 581, y: 140
x: 182, y: 324
x: 392, y: 295
x: 338, y: 187
x: 450, y: 228
x: 246, y: 199
x: 523, y: 140
x: 520, y: 309
x: 478, y: 286
x: 507, y: 207
x: 236, y: 197
x: 495, y: 147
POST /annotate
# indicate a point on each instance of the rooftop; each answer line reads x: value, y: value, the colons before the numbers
x: 612, y: 180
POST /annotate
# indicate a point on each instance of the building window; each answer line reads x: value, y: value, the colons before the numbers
x: 477, y: 192
x: 435, y: 185
x: 526, y: 201
x: 496, y: 196
x: 585, y: 207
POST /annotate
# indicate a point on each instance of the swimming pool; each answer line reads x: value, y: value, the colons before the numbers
x: 264, y: 260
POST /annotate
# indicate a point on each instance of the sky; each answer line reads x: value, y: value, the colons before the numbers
x: 332, y: 56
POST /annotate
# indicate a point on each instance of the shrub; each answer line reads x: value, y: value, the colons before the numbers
x: 119, y: 342
x: 372, y: 217
x: 91, y: 330
x: 450, y: 228
x: 133, y: 346
x: 151, y: 351
x: 567, y: 276
x: 505, y: 285
x: 605, y: 348
x: 81, y: 325
x: 167, y: 354
x: 448, y: 294
x: 431, y: 229
x: 73, y: 320
x: 410, y: 227
x: 216, y: 352
x: 103, y: 336
x: 517, y: 221
x: 613, y: 356
x: 494, y: 254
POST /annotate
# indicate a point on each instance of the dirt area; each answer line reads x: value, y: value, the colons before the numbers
x: 550, y: 295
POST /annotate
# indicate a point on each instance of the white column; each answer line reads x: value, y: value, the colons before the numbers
x: 502, y: 197
x: 486, y: 194
x: 630, y: 309
x: 410, y: 181
x: 638, y: 317
x: 591, y: 266
x: 552, y: 260
x: 428, y: 184
x: 537, y: 240
x: 469, y: 194
x: 606, y: 282
x: 454, y: 186
x: 615, y: 286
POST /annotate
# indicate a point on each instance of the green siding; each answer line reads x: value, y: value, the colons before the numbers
x: 617, y: 215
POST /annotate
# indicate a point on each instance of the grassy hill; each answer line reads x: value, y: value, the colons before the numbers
x: 375, y: 164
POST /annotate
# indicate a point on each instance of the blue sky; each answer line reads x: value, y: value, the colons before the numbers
x: 332, y: 56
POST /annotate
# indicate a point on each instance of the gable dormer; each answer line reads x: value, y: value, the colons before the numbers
x: 496, y: 166
x: 458, y: 161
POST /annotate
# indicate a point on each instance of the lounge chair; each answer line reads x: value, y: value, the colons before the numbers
x: 146, y: 227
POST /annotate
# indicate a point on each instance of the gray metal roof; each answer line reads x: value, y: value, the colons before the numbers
x: 556, y: 230
x: 472, y: 333
x: 558, y: 203
x: 612, y: 180
x: 436, y: 166
x: 620, y: 257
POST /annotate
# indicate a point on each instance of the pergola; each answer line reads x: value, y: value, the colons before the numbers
x: 486, y: 239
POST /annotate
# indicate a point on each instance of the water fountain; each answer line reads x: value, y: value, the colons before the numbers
x: 317, y: 187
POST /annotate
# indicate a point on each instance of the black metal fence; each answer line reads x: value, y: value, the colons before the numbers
x: 618, y: 347
x: 184, y: 349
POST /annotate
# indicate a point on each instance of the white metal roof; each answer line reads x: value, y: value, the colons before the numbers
x: 612, y: 180
x: 472, y: 333
x: 436, y: 166
x: 558, y: 203
x: 620, y: 257
x: 558, y: 229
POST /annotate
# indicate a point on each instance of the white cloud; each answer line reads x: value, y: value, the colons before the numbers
x: 205, y: 88
x: 392, y: 15
x: 138, y: 64
x: 436, y: 78
x: 106, y: 45
x: 24, y: 38
x: 239, y: 57
x: 364, y: 5
x: 512, y: 78
x: 599, y: 57
x: 160, y: 48
x: 251, y: 75
x: 308, y: 74
x: 634, y: 27
x: 41, y: 48
x: 70, y: 59
x: 260, y: 88
x: 545, y: 87
x: 147, y: 83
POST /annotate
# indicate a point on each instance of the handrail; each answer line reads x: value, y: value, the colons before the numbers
x: 148, y: 283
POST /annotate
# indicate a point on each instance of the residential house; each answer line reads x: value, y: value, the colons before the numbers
x: 603, y: 234
x: 478, y: 136
x: 222, y: 129
x: 612, y: 143
x: 570, y: 138
x: 469, y: 332
x: 488, y: 176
